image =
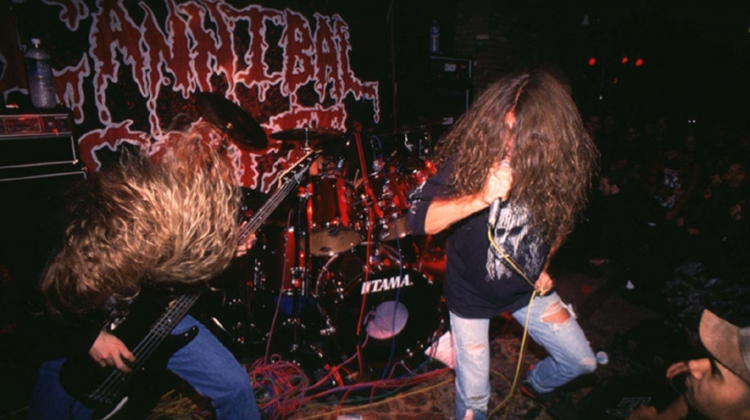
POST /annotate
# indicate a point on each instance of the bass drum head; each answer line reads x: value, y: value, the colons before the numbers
x: 399, y: 318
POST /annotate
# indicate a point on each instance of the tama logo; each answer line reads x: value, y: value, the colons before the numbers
x: 381, y: 285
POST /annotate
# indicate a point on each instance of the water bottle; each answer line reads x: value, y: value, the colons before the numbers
x: 602, y: 357
x: 434, y: 37
x: 39, y: 72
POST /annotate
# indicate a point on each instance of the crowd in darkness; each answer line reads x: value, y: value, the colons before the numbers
x: 669, y: 193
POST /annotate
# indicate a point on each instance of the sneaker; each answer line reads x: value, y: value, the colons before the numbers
x: 557, y: 407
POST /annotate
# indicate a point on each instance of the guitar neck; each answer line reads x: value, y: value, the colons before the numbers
x: 284, y: 189
x: 265, y: 211
x: 169, y: 319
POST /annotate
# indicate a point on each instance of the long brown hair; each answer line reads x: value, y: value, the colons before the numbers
x: 168, y: 220
x: 552, y: 156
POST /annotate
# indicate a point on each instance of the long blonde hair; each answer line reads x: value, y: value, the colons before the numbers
x: 168, y: 220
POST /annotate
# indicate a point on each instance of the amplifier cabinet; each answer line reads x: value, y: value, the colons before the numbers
x: 450, y: 70
x: 36, y: 145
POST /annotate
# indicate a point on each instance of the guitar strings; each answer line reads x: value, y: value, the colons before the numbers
x: 116, y: 379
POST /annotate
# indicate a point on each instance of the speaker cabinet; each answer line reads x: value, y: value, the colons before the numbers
x: 446, y: 103
x: 38, y: 164
x: 448, y: 89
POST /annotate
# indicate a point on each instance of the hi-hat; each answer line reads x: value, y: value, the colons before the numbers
x: 307, y: 134
x: 231, y: 119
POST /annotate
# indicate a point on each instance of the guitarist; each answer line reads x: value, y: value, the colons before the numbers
x: 160, y: 223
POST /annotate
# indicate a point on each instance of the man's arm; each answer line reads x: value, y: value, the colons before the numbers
x: 677, y: 410
x: 442, y: 213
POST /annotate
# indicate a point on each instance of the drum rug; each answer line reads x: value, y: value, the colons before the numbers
x: 432, y: 398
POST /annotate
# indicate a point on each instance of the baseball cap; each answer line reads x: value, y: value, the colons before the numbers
x: 729, y: 344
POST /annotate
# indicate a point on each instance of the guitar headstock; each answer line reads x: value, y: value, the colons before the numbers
x: 299, y: 168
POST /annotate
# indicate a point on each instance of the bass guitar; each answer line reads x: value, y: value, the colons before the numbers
x: 106, y: 389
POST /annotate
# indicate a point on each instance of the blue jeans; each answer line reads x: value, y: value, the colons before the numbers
x: 570, y: 354
x: 204, y: 363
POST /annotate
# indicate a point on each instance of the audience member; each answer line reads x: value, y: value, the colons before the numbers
x: 718, y: 383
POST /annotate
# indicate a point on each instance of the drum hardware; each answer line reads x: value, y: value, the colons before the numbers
x: 231, y: 119
x: 313, y: 272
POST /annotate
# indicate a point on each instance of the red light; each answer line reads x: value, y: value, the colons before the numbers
x: 592, y: 61
x: 639, y: 62
x: 614, y: 81
x: 624, y: 60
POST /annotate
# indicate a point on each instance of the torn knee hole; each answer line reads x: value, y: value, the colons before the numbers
x: 588, y: 362
x: 475, y: 348
x: 556, y: 313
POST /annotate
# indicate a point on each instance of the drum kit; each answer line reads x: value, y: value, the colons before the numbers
x: 334, y: 274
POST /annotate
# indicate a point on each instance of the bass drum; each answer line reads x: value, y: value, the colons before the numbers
x: 400, y: 315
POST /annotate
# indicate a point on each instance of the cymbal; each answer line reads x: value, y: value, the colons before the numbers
x: 421, y: 127
x: 307, y: 134
x: 231, y: 119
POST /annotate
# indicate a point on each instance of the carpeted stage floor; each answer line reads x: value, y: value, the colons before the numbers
x: 605, y: 314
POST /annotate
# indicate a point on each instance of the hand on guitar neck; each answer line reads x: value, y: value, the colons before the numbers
x: 245, y: 246
x: 109, y: 350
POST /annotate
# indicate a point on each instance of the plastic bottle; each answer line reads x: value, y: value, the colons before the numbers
x: 39, y: 72
x: 435, y: 37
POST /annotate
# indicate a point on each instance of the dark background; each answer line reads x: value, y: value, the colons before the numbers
x: 695, y: 53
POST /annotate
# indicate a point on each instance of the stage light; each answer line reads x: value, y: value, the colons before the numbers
x: 624, y: 60
x: 639, y: 62
x: 592, y: 61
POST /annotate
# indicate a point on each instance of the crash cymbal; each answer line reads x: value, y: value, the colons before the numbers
x: 307, y: 134
x: 231, y: 119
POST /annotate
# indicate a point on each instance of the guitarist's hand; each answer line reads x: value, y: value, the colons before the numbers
x: 244, y: 247
x: 108, y: 350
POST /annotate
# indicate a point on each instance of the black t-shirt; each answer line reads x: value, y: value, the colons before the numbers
x: 469, y: 290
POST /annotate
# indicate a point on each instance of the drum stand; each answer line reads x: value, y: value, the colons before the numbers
x: 302, y: 346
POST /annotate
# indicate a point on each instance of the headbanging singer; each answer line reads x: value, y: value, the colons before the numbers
x: 521, y: 145
x: 169, y: 222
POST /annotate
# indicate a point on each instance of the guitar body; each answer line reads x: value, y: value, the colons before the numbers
x: 103, y: 388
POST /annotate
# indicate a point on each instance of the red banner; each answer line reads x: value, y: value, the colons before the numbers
x: 286, y: 70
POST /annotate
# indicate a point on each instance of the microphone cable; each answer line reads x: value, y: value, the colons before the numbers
x: 524, y: 340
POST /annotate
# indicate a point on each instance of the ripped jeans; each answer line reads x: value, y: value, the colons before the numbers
x: 570, y: 354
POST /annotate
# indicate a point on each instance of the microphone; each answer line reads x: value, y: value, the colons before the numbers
x: 494, y: 212
x: 495, y: 206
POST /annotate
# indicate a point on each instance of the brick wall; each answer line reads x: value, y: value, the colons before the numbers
x: 482, y: 32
